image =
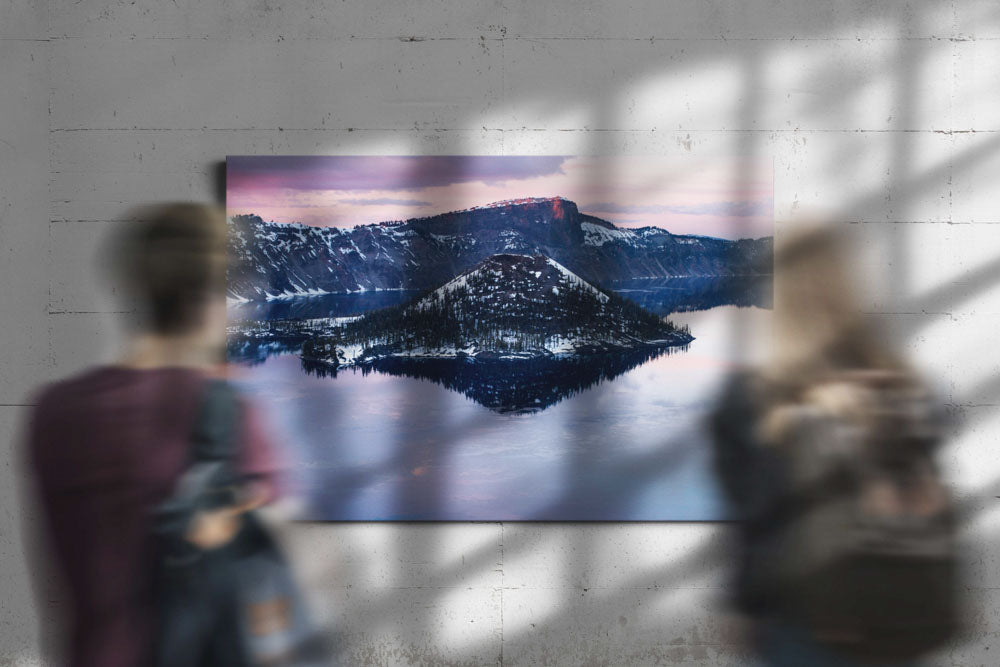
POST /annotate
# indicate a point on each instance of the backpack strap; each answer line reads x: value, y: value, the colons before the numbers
x: 213, y: 470
x: 213, y: 437
x: 211, y: 479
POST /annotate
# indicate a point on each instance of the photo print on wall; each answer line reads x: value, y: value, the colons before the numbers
x: 496, y: 338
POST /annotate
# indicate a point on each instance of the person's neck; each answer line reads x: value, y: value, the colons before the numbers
x: 150, y: 350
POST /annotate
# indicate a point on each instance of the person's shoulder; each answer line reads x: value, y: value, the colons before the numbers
x: 744, y: 385
x: 741, y: 400
x: 92, y: 384
x: 61, y: 391
x: 54, y: 406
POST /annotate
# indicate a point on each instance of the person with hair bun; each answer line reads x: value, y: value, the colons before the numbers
x: 107, y: 446
x: 846, y: 550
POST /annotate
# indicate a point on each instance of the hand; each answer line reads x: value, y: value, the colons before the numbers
x: 211, y: 529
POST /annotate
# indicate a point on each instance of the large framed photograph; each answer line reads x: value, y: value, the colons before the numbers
x: 496, y: 337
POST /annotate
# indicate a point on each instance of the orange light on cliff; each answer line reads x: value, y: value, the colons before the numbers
x: 557, y: 209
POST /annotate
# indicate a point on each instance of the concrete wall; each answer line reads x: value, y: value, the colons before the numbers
x: 884, y: 114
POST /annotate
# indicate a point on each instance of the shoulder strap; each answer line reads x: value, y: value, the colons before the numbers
x: 212, y: 476
x: 213, y: 439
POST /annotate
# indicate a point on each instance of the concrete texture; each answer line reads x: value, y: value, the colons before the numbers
x: 884, y: 115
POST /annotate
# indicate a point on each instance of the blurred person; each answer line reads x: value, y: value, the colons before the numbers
x: 108, y: 447
x: 826, y: 454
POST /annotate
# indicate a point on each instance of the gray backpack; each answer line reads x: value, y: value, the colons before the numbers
x: 233, y: 606
x: 867, y: 557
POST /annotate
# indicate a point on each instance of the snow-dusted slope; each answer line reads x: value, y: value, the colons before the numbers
x: 598, y: 235
x: 508, y: 306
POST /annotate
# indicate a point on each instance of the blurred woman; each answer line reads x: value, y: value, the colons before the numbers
x: 826, y: 456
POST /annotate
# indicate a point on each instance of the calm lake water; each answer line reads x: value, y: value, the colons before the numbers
x: 381, y: 445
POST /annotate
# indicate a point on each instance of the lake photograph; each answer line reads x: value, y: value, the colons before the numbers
x: 493, y: 338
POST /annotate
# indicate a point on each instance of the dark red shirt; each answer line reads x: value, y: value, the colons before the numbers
x: 106, y: 448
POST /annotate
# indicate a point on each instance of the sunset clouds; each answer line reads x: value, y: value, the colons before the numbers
x: 343, y: 191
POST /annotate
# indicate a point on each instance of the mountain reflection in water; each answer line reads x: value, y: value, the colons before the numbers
x: 510, y: 385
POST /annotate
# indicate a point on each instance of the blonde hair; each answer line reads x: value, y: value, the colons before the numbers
x: 818, y: 330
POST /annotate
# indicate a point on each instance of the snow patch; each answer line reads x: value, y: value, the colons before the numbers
x: 577, y: 280
x: 597, y: 235
x: 299, y: 292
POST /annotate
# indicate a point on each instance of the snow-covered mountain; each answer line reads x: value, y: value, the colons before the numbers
x: 507, y: 307
x: 273, y: 260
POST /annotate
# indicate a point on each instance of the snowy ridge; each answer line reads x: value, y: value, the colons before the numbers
x: 596, y: 235
x: 299, y: 292
x: 506, y: 203
x: 462, y: 281
x: 577, y: 280
x: 289, y: 260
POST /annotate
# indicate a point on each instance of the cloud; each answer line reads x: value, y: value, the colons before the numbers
x: 733, y: 209
x: 385, y: 201
x: 359, y: 173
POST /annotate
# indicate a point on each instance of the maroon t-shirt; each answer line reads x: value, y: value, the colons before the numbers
x: 106, y: 448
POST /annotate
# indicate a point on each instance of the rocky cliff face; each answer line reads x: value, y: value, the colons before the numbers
x: 274, y: 260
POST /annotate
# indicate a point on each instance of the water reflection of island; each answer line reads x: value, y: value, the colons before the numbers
x: 509, y: 385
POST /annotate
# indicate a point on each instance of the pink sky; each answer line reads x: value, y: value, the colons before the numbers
x: 683, y: 196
